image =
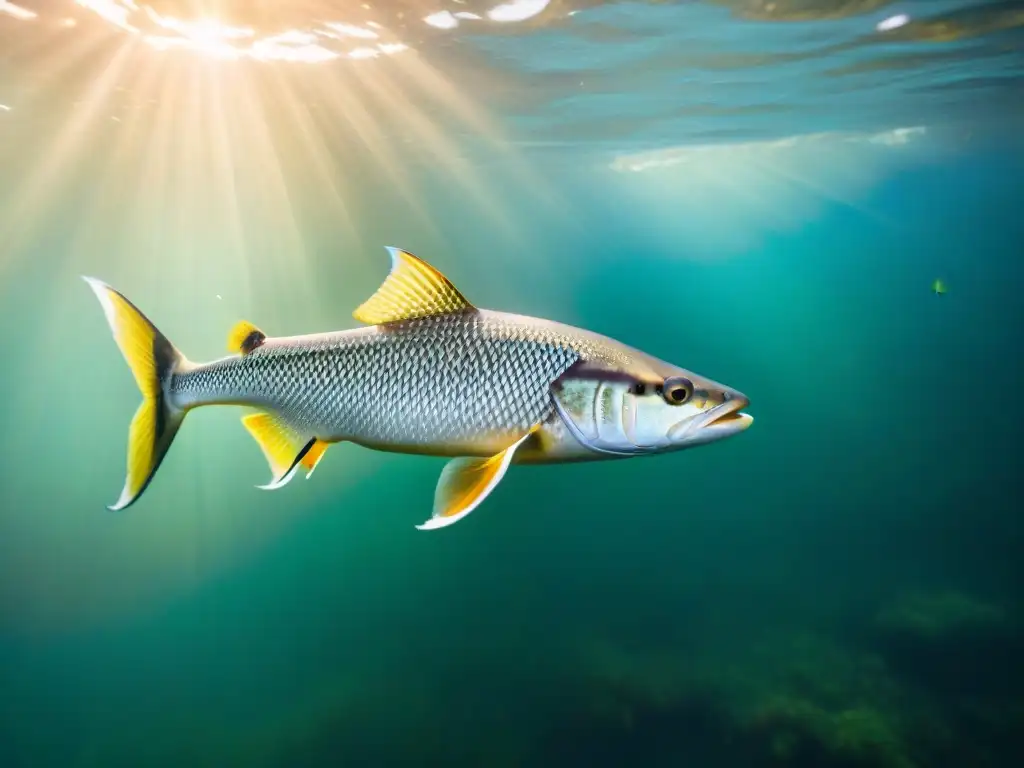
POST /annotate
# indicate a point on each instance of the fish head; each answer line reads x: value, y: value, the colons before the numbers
x: 646, y: 406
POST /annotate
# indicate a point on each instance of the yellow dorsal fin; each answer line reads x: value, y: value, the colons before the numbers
x: 245, y: 337
x: 412, y: 289
x: 284, y: 448
x: 466, y: 482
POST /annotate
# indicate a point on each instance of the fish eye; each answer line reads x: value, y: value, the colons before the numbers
x: 677, y: 390
x: 639, y: 388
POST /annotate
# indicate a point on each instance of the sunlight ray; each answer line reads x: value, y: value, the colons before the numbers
x: 18, y: 222
x: 397, y: 101
x: 193, y: 109
x: 344, y: 113
x: 428, y: 80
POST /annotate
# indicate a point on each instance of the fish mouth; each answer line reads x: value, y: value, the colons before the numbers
x: 725, y: 419
x: 728, y: 416
x: 735, y: 421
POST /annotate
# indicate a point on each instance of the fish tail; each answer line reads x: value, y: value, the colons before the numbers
x: 153, y: 360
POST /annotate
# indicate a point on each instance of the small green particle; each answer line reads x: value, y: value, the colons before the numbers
x: 938, y: 287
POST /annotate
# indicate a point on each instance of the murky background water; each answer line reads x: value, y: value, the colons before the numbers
x: 762, y: 192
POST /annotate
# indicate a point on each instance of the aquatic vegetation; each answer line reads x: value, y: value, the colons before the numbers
x: 856, y: 736
x: 621, y: 682
x: 811, y: 697
x: 954, y: 645
x: 932, y: 615
x: 792, y: 698
x: 904, y: 694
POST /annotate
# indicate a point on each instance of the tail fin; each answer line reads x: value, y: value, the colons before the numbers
x: 153, y: 360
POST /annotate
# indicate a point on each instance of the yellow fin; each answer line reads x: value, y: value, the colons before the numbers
x: 412, y: 289
x: 465, y: 483
x: 245, y: 337
x: 283, y: 447
x: 313, y: 456
x: 152, y: 360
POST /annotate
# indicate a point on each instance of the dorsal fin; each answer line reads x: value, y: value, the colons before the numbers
x: 412, y: 289
x: 245, y: 337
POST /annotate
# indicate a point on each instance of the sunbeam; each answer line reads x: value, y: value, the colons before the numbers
x: 211, y: 111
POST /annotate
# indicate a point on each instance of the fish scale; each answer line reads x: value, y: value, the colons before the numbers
x: 452, y: 378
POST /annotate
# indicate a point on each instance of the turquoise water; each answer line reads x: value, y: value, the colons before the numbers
x: 762, y: 194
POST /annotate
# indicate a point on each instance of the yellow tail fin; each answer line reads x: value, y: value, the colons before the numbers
x: 153, y: 360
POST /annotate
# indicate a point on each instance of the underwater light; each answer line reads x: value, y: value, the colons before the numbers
x: 442, y: 20
x: 517, y: 10
x: 723, y: 197
x: 893, y: 22
x: 16, y: 11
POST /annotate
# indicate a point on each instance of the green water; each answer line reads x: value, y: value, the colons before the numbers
x: 838, y: 586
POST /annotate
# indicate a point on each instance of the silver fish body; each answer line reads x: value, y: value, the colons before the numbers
x: 465, y: 384
x: 430, y: 374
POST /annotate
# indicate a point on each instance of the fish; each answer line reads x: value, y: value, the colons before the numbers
x: 938, y: 287
x: 426, y: 373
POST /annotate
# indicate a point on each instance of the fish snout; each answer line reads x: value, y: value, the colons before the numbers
x: 721, y: 417
x: 727, y: 417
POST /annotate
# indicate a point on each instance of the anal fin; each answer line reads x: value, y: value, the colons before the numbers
x: 284, y: 448
x: 465, y: 483
x: 313, y: 456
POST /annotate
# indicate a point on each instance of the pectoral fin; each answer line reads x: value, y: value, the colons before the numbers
x: 284, y: 448
x: 465, y: 483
